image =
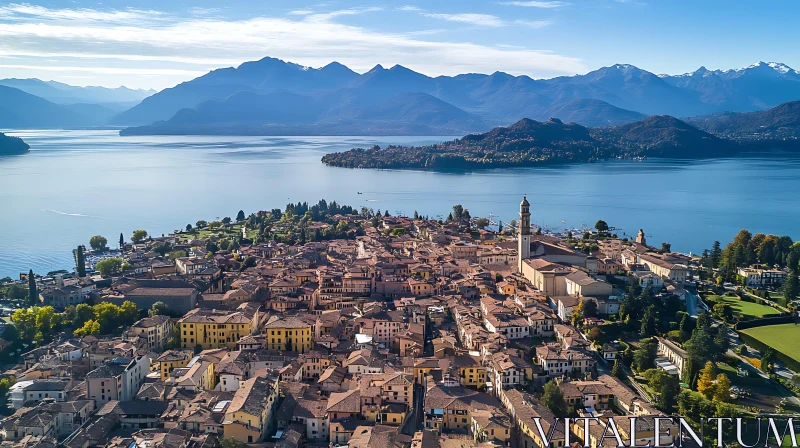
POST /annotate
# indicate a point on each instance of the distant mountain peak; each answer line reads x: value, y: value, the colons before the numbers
x: 376, y: 69
x: 776, y: 66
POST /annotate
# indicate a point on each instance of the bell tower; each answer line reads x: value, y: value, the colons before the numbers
x: 524, y: 233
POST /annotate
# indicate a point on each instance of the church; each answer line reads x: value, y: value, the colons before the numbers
x: 553, y: 268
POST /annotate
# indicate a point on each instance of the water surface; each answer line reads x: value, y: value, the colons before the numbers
x: 75, y: 184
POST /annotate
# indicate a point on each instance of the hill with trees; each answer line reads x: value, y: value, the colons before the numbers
x: 12, y: 145
x: 529, y: 143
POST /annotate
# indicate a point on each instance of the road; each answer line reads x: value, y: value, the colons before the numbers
x: 415, y: 421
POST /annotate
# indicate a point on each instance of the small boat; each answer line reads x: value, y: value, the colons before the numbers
x: 360, y: 192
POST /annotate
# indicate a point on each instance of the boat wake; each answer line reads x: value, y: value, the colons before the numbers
x: 59, y: 212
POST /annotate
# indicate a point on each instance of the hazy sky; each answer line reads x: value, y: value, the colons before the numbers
x: 157, y: 44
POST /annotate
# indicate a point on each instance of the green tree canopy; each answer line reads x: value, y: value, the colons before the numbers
x: 553, y: 398
x: 139, y: 235
x: 98, y: 242
x: 158, y: 309
x: 90, y: 327
x: 110, y: 266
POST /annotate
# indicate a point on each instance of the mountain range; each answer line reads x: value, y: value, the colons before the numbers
x: 271, y: 96
x: 32, y: 103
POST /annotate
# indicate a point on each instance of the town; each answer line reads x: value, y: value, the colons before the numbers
x: 327, y: 326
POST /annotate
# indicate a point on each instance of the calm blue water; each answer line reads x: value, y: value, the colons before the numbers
x: 75, y: 184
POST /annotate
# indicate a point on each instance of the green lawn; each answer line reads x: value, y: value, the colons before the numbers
x: 745, y: 308
x: 782, y: 337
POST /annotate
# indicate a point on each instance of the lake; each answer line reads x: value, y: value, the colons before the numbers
x: 75, y: 184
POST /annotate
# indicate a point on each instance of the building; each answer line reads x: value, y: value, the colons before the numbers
x: 118, y: 380
x: 524, y: 234
x: 548, y: 278
x: 757, y: 277
x: 665, y: 268
x: 217, y: 328
x: 153, y: 332
x: 580, y: 283
x: 171, y: 360
x: 249, y: 416
x: 558, y: 362
x: 289, y: 333
x: 674, y: 353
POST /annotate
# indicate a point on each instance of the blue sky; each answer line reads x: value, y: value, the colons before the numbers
x: 157, y: 44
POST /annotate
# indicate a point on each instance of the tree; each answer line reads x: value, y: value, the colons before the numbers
x: 416, y: 214
x: 645, y: 355
x: 716, y: 254
x: 46, y: 320
x: 10, y: 333
x: 705, y: 382
x: 721, y: 341
x: 553, y: 398
x: 107, y: 315
x: 33, y: 293
x: 589, y: 308
x: 158, y: 309
x: 458, y: 212
x: 175, y: 255
x: 722, y: 391
x: 200, y: 224
x: 482, y: 223
x: 617, y: 369
x: 25, y: 320
x: 767, y: 359
x: 83, y: 312
x: 240, y: 215
x: 110, y: 266
x: 649, y: 322
x: 665, y: 247
x: 686, y: 327
x: 601, y: 226
x: 138, y: 235
x: 226, y: 220
x: 81, y: 264
x: 98, y: 243
x: 668, y: 393
x: 128, y: 313
x: 90, y: 327
x: 121, y: 240
x: 597, y: 335
x: 188, y: 228
x: 723, y: 311
x: 16, y: 292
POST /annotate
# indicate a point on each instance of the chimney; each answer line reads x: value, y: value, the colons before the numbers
x: 59, y: 281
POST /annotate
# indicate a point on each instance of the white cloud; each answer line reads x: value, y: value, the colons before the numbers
x: 537, y: 4
x: 408, y: 8
x: 301, y: 12
x: 120, y: 46
x: 472, y: 19
x: 487, y: 20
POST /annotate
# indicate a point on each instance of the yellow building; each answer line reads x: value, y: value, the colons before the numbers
x: 216, y: 328
x: 171, y: 360
x: 290, y: 334
x: 422, y: 367
x: 249, y: 415
x: 386, y: 414
x: 470, y: 370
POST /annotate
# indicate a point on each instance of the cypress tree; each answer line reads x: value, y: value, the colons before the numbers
x: 33, y: 293
x: 121, y: 240
x: 81, y: 262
